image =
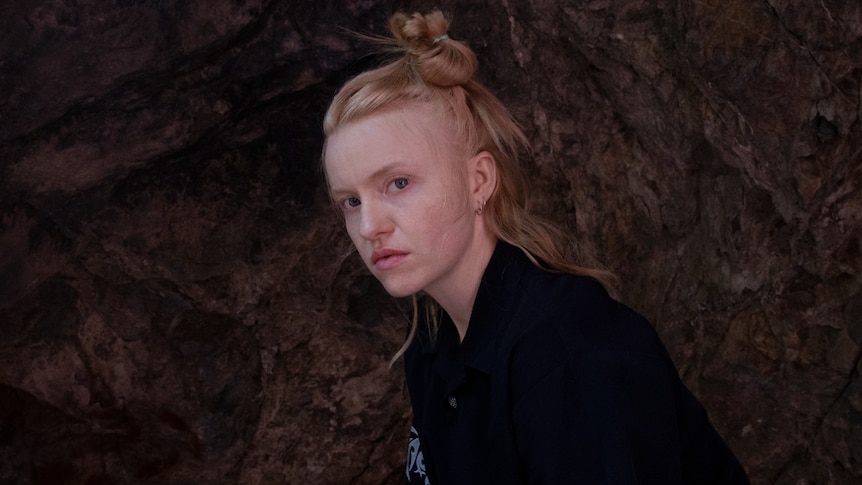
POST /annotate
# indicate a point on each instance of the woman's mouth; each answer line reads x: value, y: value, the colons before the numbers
x: 387, y: 258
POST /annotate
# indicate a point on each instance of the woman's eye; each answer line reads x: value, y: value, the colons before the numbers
x: 400, y: 183
x: 350, y: 202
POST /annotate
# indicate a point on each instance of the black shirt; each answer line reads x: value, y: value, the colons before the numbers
x: 555, y: 382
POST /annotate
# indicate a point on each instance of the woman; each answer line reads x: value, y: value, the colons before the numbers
x: 520, y: 367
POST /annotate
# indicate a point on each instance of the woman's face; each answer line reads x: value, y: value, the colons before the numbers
x: 408, y: 205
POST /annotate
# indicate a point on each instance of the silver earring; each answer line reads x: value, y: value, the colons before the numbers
x: 481, y: 208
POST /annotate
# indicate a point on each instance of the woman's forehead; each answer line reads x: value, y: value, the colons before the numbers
x: 407, y: 124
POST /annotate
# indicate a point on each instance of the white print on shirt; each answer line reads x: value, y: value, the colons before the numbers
x: 415, y: 460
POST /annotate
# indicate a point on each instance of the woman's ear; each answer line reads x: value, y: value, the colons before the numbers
x: 483, y: 175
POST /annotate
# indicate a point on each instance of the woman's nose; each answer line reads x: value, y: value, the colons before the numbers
x: 374, y: 220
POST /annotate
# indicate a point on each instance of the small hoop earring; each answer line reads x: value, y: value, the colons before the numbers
x: 481, y: 208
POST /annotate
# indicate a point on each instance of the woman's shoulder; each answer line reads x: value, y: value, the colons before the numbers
x: 556, y: 290
x: 568, y: 325
x: 577, y: 316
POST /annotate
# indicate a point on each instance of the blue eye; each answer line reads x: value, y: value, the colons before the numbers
x: 351, y: 202
x: 400, y: 183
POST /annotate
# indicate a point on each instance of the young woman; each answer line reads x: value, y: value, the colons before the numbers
x: 520, y: 367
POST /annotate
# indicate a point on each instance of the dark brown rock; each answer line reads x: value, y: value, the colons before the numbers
x: 175, y: 306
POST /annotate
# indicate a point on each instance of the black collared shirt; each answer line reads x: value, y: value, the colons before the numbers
x: 554, y: 383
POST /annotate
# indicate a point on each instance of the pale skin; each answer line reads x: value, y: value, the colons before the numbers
x: 410, y: 197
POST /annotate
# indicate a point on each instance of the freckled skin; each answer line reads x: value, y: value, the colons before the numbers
x: 405, y: 190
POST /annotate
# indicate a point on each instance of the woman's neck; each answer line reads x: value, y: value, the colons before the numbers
x: 457, y: 298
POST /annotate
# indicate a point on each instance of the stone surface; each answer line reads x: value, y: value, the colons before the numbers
x: 177, y: 299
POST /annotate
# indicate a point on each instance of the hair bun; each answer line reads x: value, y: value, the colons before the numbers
x: 430, y: 52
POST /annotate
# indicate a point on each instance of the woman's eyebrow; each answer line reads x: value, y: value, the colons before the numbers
x: 386, y: 169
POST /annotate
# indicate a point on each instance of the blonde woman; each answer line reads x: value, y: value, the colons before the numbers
x: 520, y: 366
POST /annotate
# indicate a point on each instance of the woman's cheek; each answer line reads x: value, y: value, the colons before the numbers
x: 351, y: 223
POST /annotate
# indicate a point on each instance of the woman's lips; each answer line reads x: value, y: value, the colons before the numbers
x: 387, y: 258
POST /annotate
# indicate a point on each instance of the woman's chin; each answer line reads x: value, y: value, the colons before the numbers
x: 400, y: 290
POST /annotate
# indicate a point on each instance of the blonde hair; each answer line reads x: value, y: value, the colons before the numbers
x: 430, y: 67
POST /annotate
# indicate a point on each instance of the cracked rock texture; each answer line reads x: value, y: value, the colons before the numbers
x: 177, y: 301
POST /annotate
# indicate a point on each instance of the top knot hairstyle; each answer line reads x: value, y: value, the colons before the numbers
x: 435, y: 61
x: 428, y: 66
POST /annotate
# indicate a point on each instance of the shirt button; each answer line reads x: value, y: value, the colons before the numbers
x: 453, y: 403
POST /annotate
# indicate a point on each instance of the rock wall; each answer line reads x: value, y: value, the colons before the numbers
x: 178, y: 303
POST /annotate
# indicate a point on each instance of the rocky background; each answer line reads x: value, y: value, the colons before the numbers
x: 176, y: 305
